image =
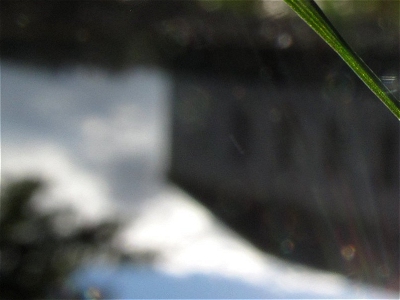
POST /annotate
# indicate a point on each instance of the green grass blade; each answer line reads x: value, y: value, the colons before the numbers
x: 309, y: 11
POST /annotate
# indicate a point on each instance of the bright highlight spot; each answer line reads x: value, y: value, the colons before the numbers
x: 93, y: 294
x: 284, y: 40
x: 348, y: 252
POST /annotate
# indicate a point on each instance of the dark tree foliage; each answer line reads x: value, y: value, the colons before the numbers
x: 36, y: 257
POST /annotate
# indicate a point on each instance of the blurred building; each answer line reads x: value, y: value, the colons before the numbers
x: 282, y: 142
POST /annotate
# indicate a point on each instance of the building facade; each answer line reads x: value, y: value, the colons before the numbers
x: 290, y: 149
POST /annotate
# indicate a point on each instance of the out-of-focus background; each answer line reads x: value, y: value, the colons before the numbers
x: 209, y: 149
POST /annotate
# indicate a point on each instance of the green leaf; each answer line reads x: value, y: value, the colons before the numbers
x: 309, y: 11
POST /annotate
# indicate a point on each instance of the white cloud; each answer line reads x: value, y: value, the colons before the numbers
x: 125, y: 131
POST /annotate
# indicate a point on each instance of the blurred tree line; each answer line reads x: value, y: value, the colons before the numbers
x: 119, y: 34
x: 37, y: 254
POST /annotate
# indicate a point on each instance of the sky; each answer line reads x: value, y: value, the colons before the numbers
x: 94, y: 135
x: 101, y: 142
